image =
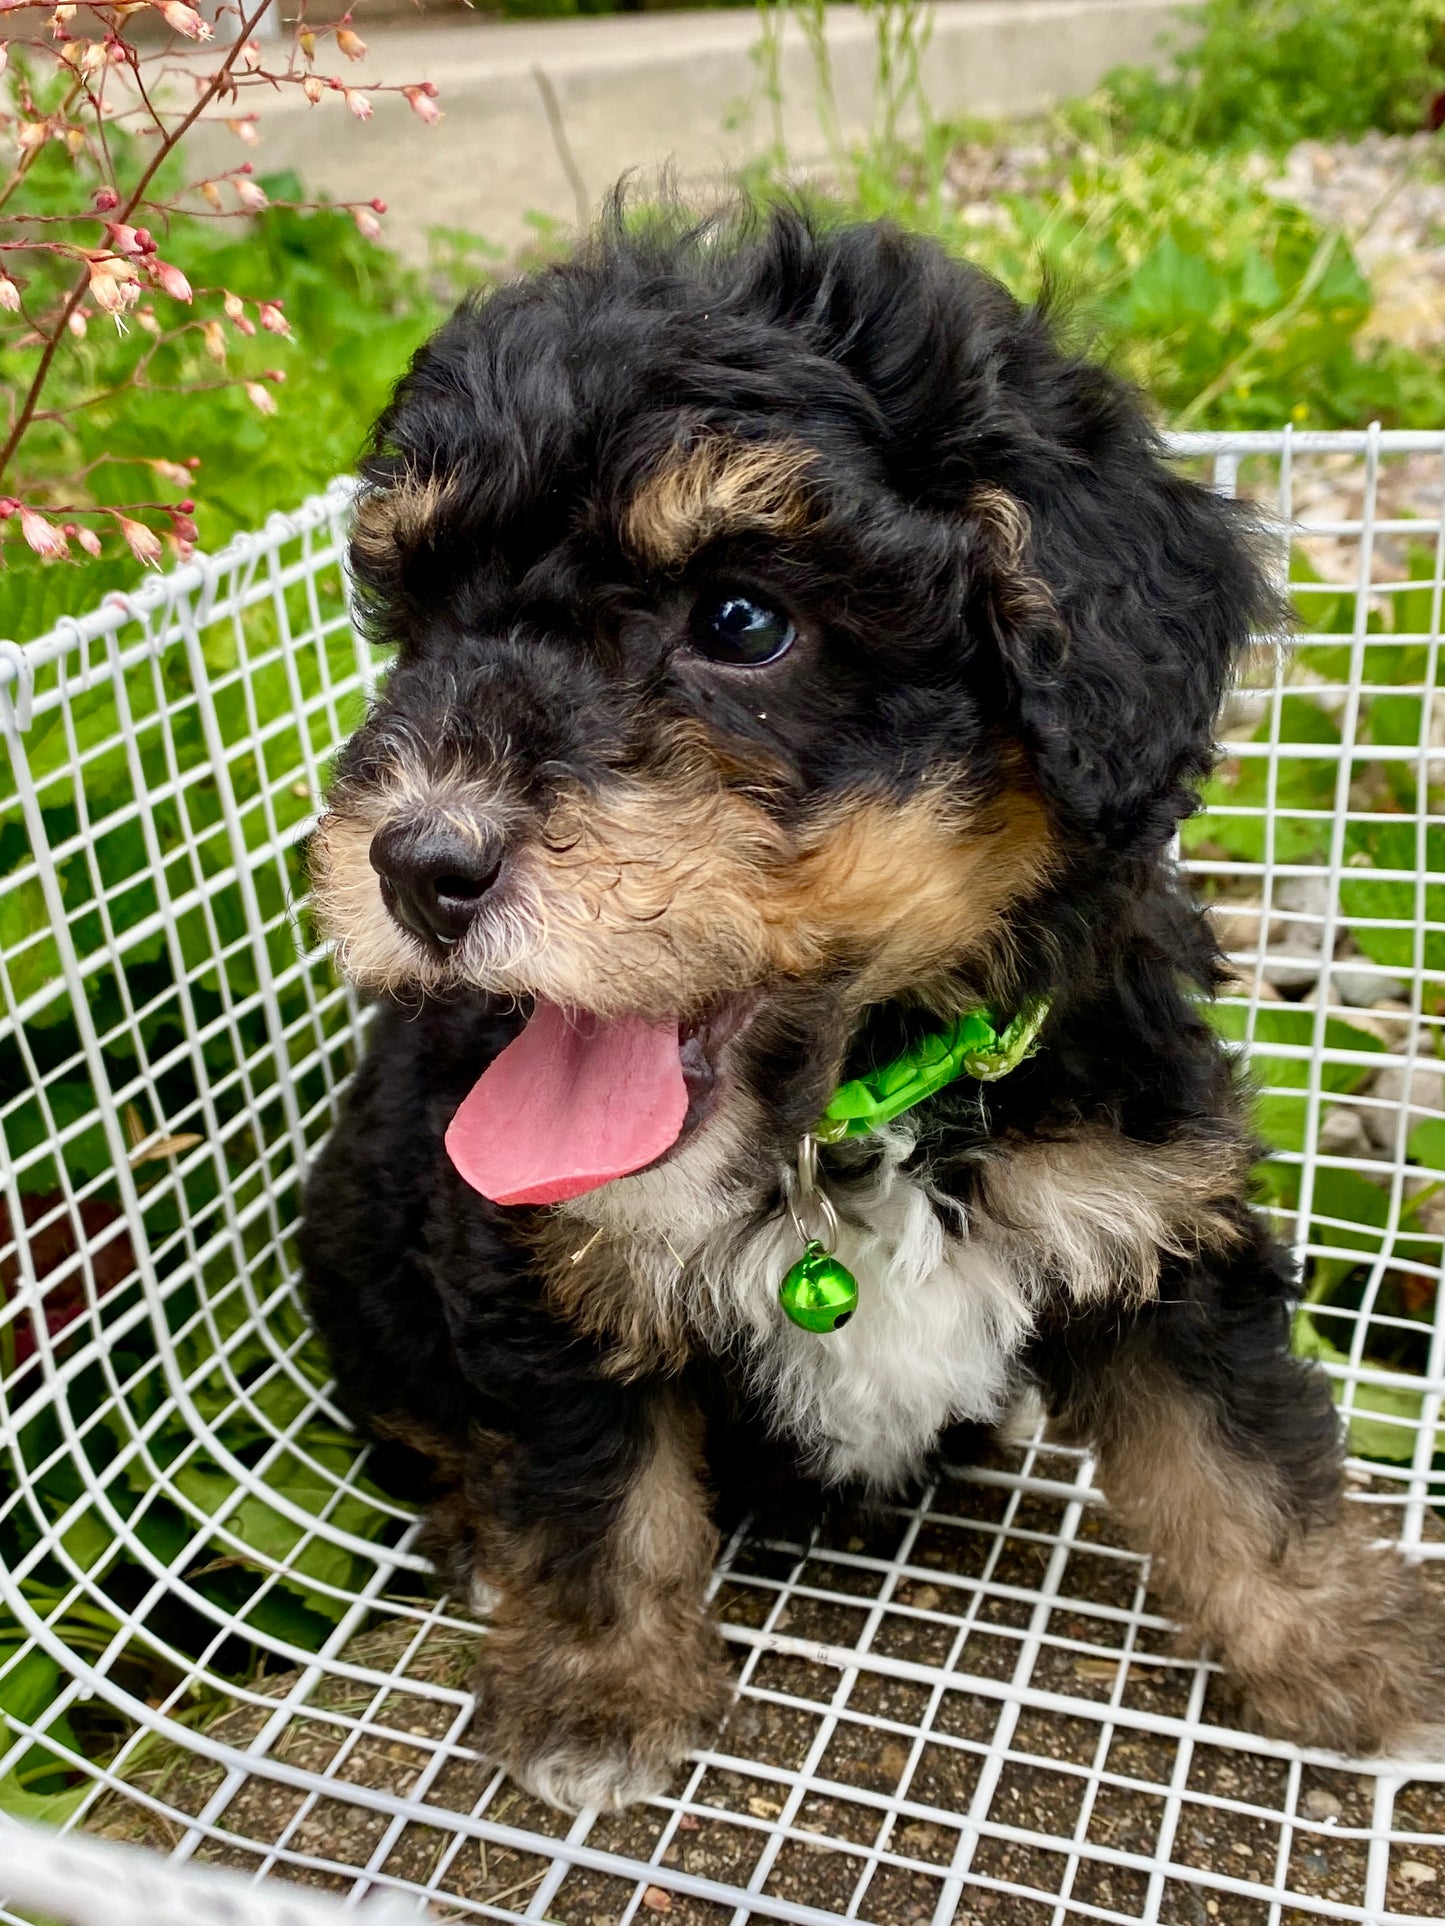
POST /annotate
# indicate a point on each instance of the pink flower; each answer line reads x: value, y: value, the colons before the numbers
x: 272, y: 319
x: 185, y: 528
x: 423, y: 105
x: 169, y: 278
x: 250, y: 56
x: 123, y: 239
x: 44, y: 537
x: 367, y: 222
x: 30, y: 134
x: 358, y: 103
x: 96, y: 54
x: 251, y: 196
x: 9, y: 294
x: 351, y: 44
x: 313, y: 88
x: 245, y: 130
x: 88, y: 540
x: 183, y: 20
x: 77, y: 324
x: 143, y: 542
x: 259, y: 399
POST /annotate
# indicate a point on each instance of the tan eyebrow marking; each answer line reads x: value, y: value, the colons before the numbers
x: 387, y: 519
x: 719, y: 485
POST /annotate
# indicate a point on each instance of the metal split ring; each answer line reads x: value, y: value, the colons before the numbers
x: 802, y: 1190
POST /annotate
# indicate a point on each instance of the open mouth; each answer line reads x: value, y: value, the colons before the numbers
x: 577, y: 1100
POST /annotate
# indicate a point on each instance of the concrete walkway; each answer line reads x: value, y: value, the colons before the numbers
x: 543, y: 116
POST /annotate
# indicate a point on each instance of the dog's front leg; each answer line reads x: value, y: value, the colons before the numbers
x: 1221, y: 1454
x: 600, y: 1669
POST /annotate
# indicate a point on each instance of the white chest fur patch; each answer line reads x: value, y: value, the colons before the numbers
x: 939, y: 1322
x: 945, y: 1302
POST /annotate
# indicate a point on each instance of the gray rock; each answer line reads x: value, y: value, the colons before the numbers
x: 1425, y: 1095
x: 1343, y: 1133
x: 1363, y: 985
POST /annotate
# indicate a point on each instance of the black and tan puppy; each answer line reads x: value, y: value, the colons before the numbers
x: 797, y: 651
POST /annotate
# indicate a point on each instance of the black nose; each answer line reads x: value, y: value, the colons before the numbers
x: 433, y: 876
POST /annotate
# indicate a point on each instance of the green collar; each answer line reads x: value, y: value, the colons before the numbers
x: 972, y: 1045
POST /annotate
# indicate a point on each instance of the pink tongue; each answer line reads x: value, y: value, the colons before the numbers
x: 569, y: 1104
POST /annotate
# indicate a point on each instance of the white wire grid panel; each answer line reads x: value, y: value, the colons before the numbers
x: 216, y: 1637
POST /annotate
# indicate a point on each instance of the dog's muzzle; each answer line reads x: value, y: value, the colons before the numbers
x: 433, y: 878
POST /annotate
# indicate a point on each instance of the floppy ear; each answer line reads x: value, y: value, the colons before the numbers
x: 1120, y: 593
x: 1120, y: 600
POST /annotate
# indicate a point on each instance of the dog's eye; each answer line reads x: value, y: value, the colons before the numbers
x: 730, y: 627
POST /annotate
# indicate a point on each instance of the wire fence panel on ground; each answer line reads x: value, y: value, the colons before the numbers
x: 217, y: 1638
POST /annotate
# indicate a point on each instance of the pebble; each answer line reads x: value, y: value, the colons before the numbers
x: 1415, y: 1873
x: 1343, y: 1133
x: 1426, y: 1095
x: 1319, y: 1804
x: 1362, y: 988
x: 656, y: 1900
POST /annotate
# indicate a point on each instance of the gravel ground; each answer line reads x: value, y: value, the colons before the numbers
x: 876, y: 1746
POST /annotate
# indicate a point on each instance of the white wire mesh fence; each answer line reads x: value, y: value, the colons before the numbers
x: 216, y: 1637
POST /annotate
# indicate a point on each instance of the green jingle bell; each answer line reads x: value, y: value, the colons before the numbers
x: 819, y: 1293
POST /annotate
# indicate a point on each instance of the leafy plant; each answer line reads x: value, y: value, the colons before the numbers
x: 1267, y: 73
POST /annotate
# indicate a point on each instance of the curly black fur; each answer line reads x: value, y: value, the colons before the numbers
x: 1091, y: 645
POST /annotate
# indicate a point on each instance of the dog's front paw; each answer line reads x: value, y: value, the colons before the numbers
x: 590, y: 1725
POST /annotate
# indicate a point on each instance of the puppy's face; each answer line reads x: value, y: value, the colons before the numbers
x: 729, y: 702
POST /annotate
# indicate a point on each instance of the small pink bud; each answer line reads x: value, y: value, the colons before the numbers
x: 313, y: 89
x: 143, y: 542
x: 77, y: 324
x: 245, y: 130
x: 144, y: 240
x: 104, y: 200
x: 186, y: 507
x: 214, y: 337
x: 351, y: 44
x: 88, y: 540
x: 8, y: 507
x: 251, y: 197
x: 250, y: 56
x: 125, y: 240
x: 172, y: 472
x: 259, y: 399
x: 422, y: 105
x: 183, y: 525
x: 367, y: 222
x: 274, y: 374
x: 9, y: 294
x: 358, y: 103
x: 184, y: 20
x: 44, y: 537
x: 377, y: 207
x: 169, y: 278
x: 272, y: 319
